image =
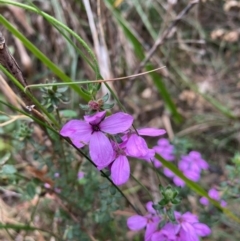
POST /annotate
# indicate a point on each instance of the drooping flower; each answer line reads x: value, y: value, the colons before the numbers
x: 214, y: 194
x: 137, y: 147
x: 92, y: 131
x: 150, y: 221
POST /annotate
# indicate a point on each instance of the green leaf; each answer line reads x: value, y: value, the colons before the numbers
x: 84, y: 107
x: 105, y: 97
x: 108, y: 106
x: 176, y: 201
x: 62, y: 89
x: 5, y: 157
x: 8, y: 169
x: 31, y: 190
x: 68, y: 113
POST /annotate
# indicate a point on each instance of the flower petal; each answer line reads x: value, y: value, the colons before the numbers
x: 204, y: 201
x: 168, y: 173
x: 136, y: 146
x: 168, y: 232
x: 100, y: 148
x: 201, y: 229
x: 96, y: 118
x: 120, y: 170
x: 75, y: 127
x: 223, y: 203
x: 190, y: 218
x: 151, y: 132
x: 149, y: 207
x: 78, y: 131
x: 178, y: 181
x: 116, y: 123
x: 157, y: 163
x: 214, y: 194
x: 136, y: 222
x: 189, y: 231
x: 151, y: 228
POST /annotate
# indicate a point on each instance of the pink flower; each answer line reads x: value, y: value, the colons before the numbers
x: 92, y: 130
x: 189, y: 228
x: 214, y: 194
x: 150, y: 221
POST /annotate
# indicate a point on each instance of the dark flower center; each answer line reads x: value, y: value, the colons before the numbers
x: 95, y: 128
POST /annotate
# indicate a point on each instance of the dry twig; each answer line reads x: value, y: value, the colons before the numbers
x: 161, y: 39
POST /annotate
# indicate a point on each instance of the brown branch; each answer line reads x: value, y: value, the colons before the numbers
x: 10, y: 64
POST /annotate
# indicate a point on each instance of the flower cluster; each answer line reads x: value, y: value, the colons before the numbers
x: 110, y: 141
x: 186, y: 228
x: 214, y: 194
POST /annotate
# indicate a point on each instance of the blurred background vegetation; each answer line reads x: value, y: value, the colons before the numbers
x: 195, y: 97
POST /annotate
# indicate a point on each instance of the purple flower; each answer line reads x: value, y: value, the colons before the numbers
x: 150, y: 221
x: 193, y: 163
x: 214, y: 194
x: 92, y: 130
x: 189, y: 228
x: 134, y: 146
x: 165, y: 149
x: 191, y: 166
x: 120, y: 168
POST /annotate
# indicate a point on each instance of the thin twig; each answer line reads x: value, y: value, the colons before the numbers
x: 161, y: 38
x: 160, y: 41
